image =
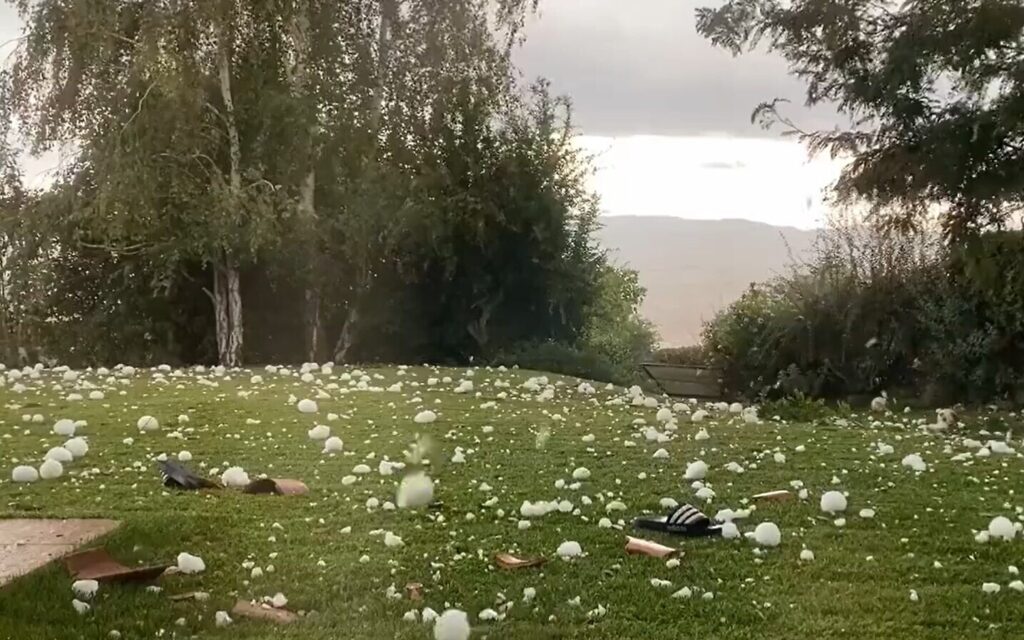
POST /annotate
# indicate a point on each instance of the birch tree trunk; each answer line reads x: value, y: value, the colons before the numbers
x: 227, y: 285
x: 298, y: 77
x: 388, y: 15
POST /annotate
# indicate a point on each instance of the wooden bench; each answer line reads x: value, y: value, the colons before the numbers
x: 686, y: 381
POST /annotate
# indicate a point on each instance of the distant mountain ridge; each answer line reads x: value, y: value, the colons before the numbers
x: 694, y: 268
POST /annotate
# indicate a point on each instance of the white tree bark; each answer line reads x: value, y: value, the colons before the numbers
x: 298, y: 76
x: 227, y: 286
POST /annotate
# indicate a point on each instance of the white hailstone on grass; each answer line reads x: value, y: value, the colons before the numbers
x: 222, y: 619
x: 77, y: 446
x: 452, y: 625
x: 523, y: 525
x: 913, y: 596
x: 736, y: 407
x: 730, y: 531
x: 604, y: 523
x: 1000, y: 447
x: 569, y: 549
x: 306, y: 406
x: 148, y: 423
x: 702, y: 434
x: 428, y: 615
x: 458, y: 457
x: 81, y: 608
x: 615, y: 505
x: 696, y: 470
x: 705, y: 493
x: 361, y: 469
x: 60, y: 454
x: 64, y: 427
x: 319, y: 432
x: 685, y: 592
x: 51, y: 470
x: 487, y: 615
x: 990, y: 587
x: 915, y: 462
x: 183, y: 419
x: 983, y: 452
x: 981, y: 537
x: 699, y: 415
x: 833, y: 502
x: 807, y: 555
x: 867, y: 514
x: 779, y: 457
x: 425, y: 417
x: 415, y: 491
x: 234, y: 477
x: 650, y: 403
x: 348, y: 480
x: 878, y: 404
x: 185, y: 456
x: 85, y: 589
x: 1017, y: 586
x: 767, y: 534
x: 412, y: 615
x: 333, y: 444
x: 279, y: 601
x: 885, y: 449
x: 1001, y: 528
x: 660, y: 454
x: 581, y: 473
x: 664, y: 414
x: 734, y: 467
x: 189, y: 564
x: 24, y: 473
x: 392, y: 541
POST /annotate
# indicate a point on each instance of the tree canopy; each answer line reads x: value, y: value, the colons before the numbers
x: 293, y: 180
x: 933, y: 89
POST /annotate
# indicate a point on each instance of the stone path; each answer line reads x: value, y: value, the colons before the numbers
x: 27, y: 544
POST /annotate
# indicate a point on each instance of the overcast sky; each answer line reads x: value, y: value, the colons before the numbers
x: 667, y: 115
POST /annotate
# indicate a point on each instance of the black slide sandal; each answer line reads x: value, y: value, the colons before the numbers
x: 684, y: 520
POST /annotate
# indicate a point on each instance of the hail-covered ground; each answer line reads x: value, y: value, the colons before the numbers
x: 898, y: 527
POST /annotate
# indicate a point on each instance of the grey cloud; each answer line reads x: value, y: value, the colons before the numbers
x: 639, y: 67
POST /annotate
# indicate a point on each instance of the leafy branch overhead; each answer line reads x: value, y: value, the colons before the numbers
x: 932, y: 92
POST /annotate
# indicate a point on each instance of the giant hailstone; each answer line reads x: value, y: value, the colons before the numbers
x: 24, y: 473
x: 1002, y: 527
x: 569, y: 549
x: 333, y: 444
x: 234, y: 477
x: 833, y: 502
x: 77, y: 446
x: 51, y: 470
x: 64, y: 427
x: 767, y: 534
x: 189, y: 564
x: 452, y: 625
x: 696, y: 470
x: 415, y: 491
x: 425, y: 417
x: 319, y: 432
x: 60, y: 454
x: 306, y: 406
x: 148, y: 423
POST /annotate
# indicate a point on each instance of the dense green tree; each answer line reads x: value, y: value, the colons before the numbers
x: 933, y: 90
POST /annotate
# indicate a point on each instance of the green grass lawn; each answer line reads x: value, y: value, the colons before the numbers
x: 858, y: 586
